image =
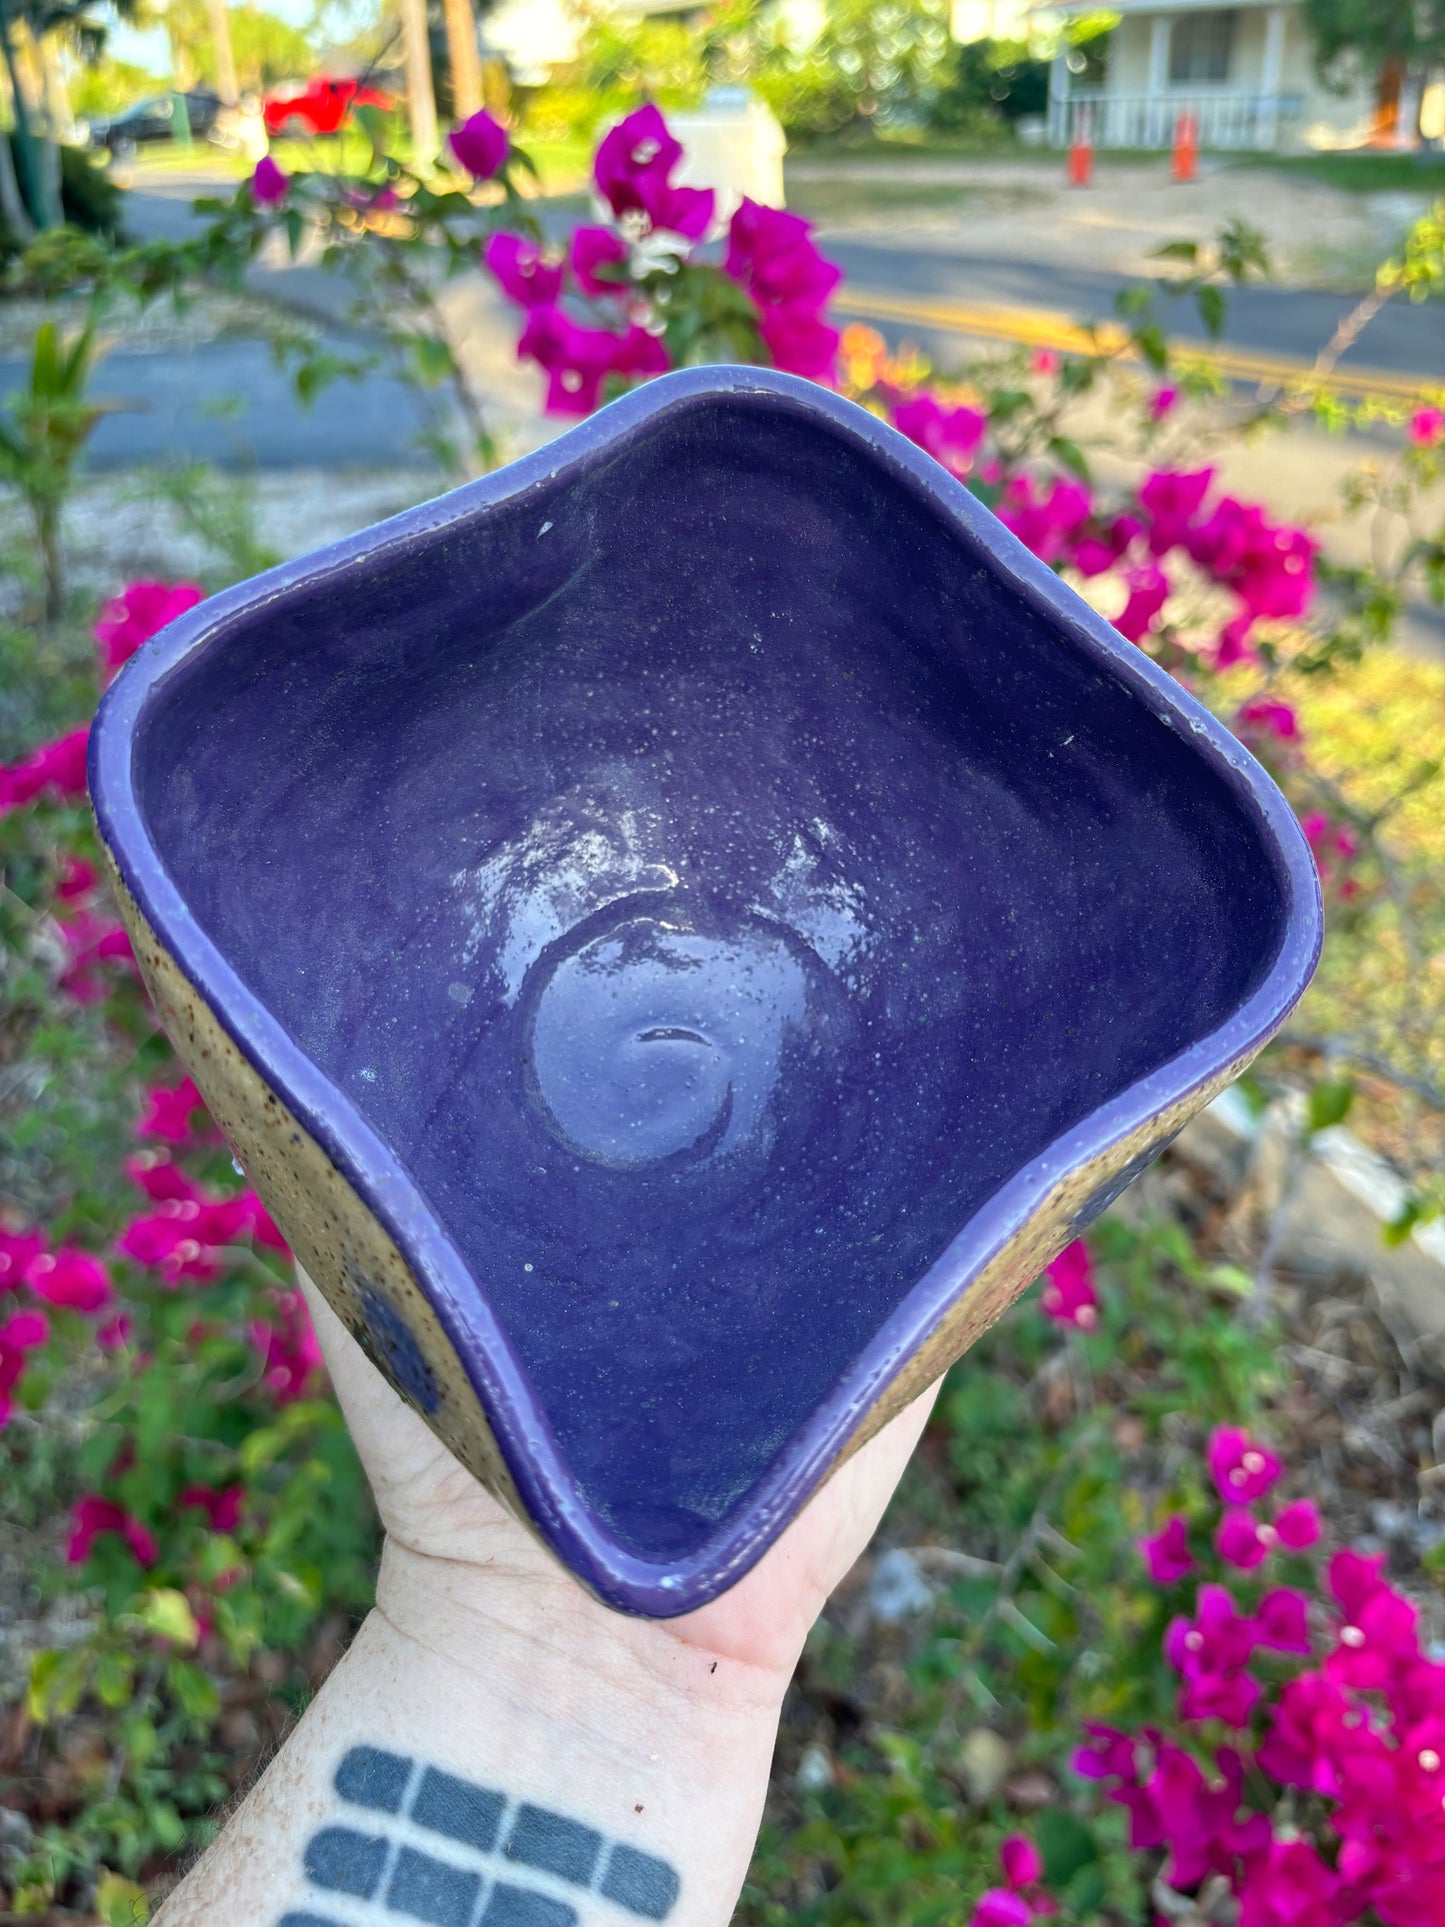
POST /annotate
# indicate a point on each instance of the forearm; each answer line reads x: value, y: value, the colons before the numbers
x: 472, y: 1771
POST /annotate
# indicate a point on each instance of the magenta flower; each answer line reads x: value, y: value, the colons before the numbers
x: 94, y: 1515
x: 593, y: 250
x: 1242, y: 1471
x: 1197, y: 1821
x: 1298, y: 1525
x: 21, y: 1334
x: 1211, y: 1652
x: 263, y: 1227
x: 222, y: 1507
x: 77, y: 879
x: 951, y: 435
x: 290, y: 1354
x: 140, y: 611
x: 771, y: 254
x: 1427, y: 427
x: 170, y: 1111
x: 1269, y: 718
x: 1312, y: 1728
x: 1148, y: 592
x: 269, y: 186
x: 165, y: 1242
x: 1270, y: 569
x: 481, y: 144
x: 799, y: 342
x: 1378, y: 1642
x: 522, y: 270
x: 1045, y: 524
x: 1242, y: 1541
x: 578, y: 360
x: 1021, y: 1861
x: 115, y: 1333
x: 1110, y: 1755
x: 633, y: 169
x: 1282, y: 1620
x: 17, y: 1250
x: 160, y: 1177
x: 1290, y: 1887
x: 71, y: 1278
x: 1171, y: 499
x: 1069, y: 1296
x: 1166, y: 1555
x: 1232, y: 645
x: 1046, y: 362
x: 90, y: 941
x: 997, y: 1907
x: 1099, y: 548
x: 55, y: 771
x: 1163, y: 402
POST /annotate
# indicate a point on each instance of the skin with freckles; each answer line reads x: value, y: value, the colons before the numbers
x: 498, y: 1749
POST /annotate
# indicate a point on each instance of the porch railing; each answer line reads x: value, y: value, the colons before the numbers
x: 1239, y: 120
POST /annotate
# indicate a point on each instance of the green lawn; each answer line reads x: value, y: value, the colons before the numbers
x: 1360, y: 173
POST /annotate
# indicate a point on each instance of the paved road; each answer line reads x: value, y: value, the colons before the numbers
x: 1284, y: 322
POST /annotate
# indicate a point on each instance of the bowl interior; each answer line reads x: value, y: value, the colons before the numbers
x: 714, y: 880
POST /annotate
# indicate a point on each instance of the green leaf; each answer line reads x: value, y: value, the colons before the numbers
x: 1403, y: 1222
x: 120, y: 1902
x: 1177, y: 251
x: 432, y: 359
x: 167, y: 1613
x: 1212, y: 309
x: 1070, y: 456
x: 1066, y: 1845
x: 1330, y: 1101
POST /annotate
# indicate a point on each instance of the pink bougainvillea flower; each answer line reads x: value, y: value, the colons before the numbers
x: 595, y: 249
x: 1046, y: 362
x: 18, y: 1249
x: 1242, y: 1470
x: 578, y: 360
x: 222, y: 1507
x: 1148, y: 592
x: 77, y: 879
x: 1171, y: 500
x: 1289, y: 1886
x: 140, y: 611
x: 21, y: 1334
x: 1198, y: 1821
x: 1309, y: 1732
x: 290, y: 1354
x: 1046, y: 524
x: 94, y: 1515
x: 1427, y: 427
x: 90, y: 941
x: 771, y: 253
x: 160, y: 1177
x: 1212, y: 1652
x: 997, y: 1907
x: 633, y: 169
x: 55, y: 772
x: 481, y: 144
x: 269, y: 185
x: 1022, y: 1863
x: 951, y: 435
x: 70, y: 1277
x: 1282, y: 1619
x: 1266, y: 717
x: 1070, y: 1296
x: 800, y: 342
x: 1233, y: 645
x: 522, y: 271
x: 1269, y: 568
x: 1166, y: 1554
x: 1242, y: 1541
x: 1378, y: 1643
x: 1099, y: 548
x: 1299, y: 1525
x: 170, y: 1112
x: 1110, y: 1754
x: 167, y: 1244
x: 1163, y: 402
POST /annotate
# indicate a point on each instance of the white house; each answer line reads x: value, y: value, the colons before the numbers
x: 1245, y: 72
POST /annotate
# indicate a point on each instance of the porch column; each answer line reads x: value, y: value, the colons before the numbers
x: 1059, y: 101
x: 1154, y: 114
x: 1271, y: 74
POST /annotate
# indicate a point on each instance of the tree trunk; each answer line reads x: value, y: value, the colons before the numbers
x: 225, y: 55
x: 420, y: 96
x: 13, y: 211
x: 31, y: 168
x: 465, y: 58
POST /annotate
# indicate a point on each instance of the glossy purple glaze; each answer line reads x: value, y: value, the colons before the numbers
x: 702, y: 885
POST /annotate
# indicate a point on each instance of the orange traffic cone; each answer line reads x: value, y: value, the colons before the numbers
x: 1081, y: 155
x: 1186, y: 147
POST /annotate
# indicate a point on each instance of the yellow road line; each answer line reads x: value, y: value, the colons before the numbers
x: 1043, y: 328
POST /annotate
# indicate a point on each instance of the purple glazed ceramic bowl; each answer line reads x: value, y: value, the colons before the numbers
x: 680, y: 932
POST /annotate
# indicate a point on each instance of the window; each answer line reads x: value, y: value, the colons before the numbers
x: 1200, y: 46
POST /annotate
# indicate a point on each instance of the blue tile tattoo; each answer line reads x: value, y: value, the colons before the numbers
x: 445, y: 1804
x: 640, y: 1882
x: 432, y: 1890
x: 510, y: 1906
x: 345, y: 1862
x: 487, y: 1843
x: 370, y: 1778
x: 555, y: 1845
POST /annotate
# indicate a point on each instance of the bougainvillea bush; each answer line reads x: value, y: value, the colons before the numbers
x: 1140, y: 1583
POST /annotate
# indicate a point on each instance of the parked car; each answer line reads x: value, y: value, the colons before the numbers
x: 154, y: 119
x: 321, y: 105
